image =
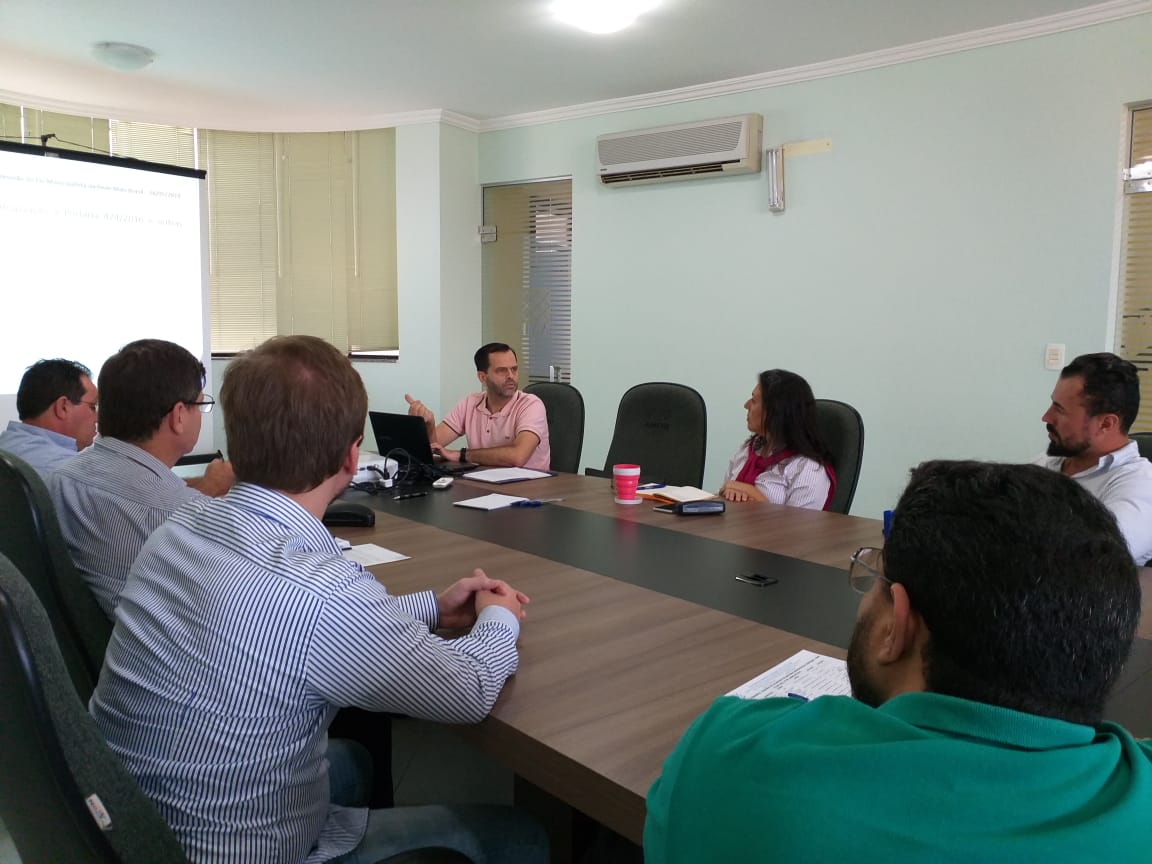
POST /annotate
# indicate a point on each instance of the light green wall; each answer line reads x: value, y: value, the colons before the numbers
x: 965, y: 216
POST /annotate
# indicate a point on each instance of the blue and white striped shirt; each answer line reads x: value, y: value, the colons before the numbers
x: 110, y: 499
x: 41, y: 448
x: 239, y: 633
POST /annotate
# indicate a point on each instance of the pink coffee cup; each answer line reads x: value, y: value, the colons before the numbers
x: 624, y: 480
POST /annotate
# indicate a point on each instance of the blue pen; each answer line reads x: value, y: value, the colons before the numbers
x: 647, y: 486
x: 798, y: 696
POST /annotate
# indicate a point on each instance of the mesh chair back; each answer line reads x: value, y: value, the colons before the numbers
x: 842, y: 430
x: 565, y: 407
x: 663, y: 428
x: 55, y: 767
x: 30, y: 537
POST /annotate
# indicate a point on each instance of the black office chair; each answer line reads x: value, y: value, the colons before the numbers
x: 565, y: 407
x: 663, y: 428
x: 64, y: 796
x: 1143, y: 443
x: 58, y: 779
x: 30, y: 537
x: 842, y: 430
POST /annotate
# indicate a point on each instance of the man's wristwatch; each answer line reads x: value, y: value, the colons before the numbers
x: 463, y: 454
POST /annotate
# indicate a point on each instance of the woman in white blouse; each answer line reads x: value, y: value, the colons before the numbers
x: 784, y: 462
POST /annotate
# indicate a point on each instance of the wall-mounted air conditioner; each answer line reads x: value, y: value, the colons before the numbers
x: 706, y: 148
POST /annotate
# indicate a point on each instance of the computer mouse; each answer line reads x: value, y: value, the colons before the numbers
x: 349, y: 514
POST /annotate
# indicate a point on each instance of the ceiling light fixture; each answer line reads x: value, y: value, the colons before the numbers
x: 601, y: 16
x: 123, y: 56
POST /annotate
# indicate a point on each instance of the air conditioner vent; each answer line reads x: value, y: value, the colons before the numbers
x: 729, y: 145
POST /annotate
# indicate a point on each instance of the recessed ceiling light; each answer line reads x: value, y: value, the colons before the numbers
x: 601, y: 16
x: 122, y: 55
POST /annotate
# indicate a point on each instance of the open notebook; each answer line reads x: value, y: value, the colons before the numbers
x: 673, y: 494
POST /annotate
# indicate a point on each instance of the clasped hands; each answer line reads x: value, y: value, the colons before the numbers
x: 460, y: 603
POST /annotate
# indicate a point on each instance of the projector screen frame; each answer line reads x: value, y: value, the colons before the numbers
x: 206, y: 442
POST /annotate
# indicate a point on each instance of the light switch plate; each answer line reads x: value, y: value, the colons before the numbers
x: 1054, y: 356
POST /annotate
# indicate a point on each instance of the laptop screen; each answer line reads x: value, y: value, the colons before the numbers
x: 403, y: 432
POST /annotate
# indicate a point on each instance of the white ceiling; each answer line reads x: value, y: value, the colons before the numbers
x: 341, y: 64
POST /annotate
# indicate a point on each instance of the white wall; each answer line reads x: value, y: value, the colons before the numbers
x: 964, y: 217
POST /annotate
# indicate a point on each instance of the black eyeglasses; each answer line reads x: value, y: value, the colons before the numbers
x: 867, y: 565
x: 204, y: 404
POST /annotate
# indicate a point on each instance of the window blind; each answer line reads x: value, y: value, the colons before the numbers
x: 72, y: 133
x: 242, y: 237
x: 171, y: 145
x: 301, y: 227
x: 1136, y: 270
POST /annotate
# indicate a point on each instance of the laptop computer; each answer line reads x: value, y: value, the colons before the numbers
x: 408, y: 433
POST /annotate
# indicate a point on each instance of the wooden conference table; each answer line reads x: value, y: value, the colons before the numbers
x: 638, y: 622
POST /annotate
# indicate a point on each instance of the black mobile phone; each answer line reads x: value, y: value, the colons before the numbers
x: 415, y: 493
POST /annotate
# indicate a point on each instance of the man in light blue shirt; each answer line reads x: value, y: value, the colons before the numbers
x: 242, y: 629
x: 113, y: 495
x: 56, y: 403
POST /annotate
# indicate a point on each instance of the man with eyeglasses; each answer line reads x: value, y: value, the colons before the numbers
x: 1094, y: 404
x: 56, y: 403
x: 111, y: 497
x: 993, y: 626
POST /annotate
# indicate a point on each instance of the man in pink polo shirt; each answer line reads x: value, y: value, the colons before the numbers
x: 503, y: 425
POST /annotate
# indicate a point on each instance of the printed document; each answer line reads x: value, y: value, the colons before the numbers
x: 804, y: 675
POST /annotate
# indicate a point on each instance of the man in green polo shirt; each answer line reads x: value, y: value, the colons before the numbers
x: 994, y: 624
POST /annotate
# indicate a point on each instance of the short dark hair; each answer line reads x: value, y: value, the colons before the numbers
x: 45, y: 381
x: 486, y: 351
x: 141, y: 383
x: 1111, y: 386
x: 292, y: 408
x: 789, y: 415
x: 1025, y: 583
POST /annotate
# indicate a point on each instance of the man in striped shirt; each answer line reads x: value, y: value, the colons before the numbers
x: 117, y: 492
x: 242, y: 629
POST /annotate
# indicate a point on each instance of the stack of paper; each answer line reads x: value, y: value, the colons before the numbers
x: 506, y: 475
x: 495, y: 501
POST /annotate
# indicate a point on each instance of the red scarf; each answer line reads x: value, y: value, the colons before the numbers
x: 755, y: 465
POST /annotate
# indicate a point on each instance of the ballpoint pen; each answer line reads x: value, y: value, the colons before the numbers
x: 535, y: 502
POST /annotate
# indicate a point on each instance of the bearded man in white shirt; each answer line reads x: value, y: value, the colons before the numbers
x: 1094, y: 404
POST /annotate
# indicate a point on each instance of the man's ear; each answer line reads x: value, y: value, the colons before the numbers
x: 176, y: 418
x: 351, y: 460
x: 1108, y: 423
x: 61, y: 407
x: 480, y: 378
x: 901, y: 627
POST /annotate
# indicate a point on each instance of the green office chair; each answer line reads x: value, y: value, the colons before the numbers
x: 30, y: 537
x: 1143, y: 443
x: 64, y: 796
x: 842, y: 430
x: 565, y: 407
x: 663, y: 428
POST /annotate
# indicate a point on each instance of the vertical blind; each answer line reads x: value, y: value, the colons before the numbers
x: 527, y: 275
x: 301, y: 227
x: 1136, y: 269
